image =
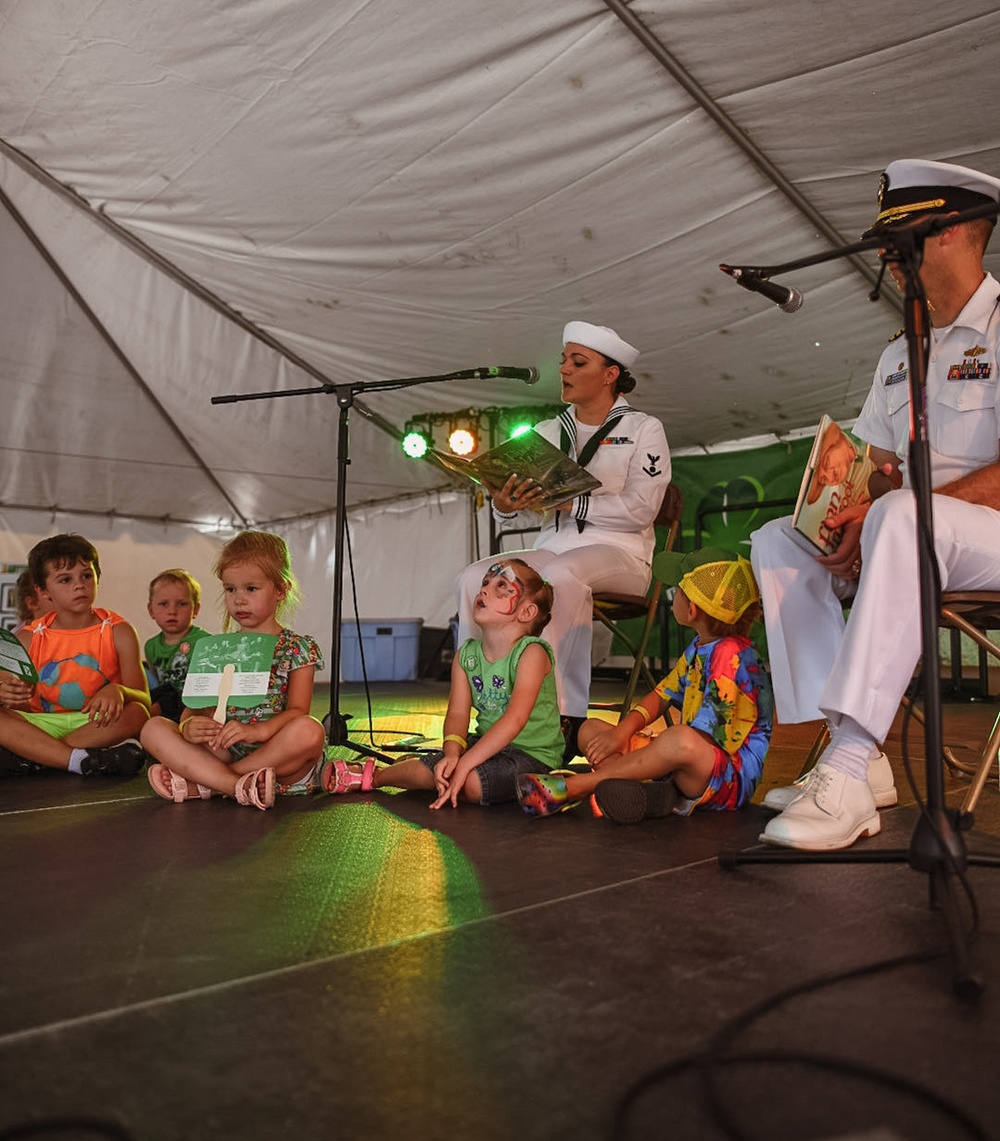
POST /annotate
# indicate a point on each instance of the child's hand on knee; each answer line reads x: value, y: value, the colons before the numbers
x: 607, y: 743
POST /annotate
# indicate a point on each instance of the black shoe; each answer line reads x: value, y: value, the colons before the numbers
x: 629, y: 801
x: 123, y: 760
x: 13, y: 765
x: 570, y: 727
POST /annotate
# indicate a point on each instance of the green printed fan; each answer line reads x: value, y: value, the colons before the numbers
x: 14, y: 658
x: 229, y: 669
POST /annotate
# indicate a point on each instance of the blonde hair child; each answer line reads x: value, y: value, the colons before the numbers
x: 276, y: 746
x: 174, y: 602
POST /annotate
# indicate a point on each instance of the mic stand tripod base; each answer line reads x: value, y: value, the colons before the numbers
x: 335, y: 724
x: 936, y: 847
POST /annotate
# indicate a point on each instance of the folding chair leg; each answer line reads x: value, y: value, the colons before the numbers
x: 954, y: 765
x: 989, y: 759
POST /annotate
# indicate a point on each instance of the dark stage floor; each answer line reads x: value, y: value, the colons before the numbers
x: 364, y: 968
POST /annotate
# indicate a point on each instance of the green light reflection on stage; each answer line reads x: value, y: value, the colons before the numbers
x: 357, y: 876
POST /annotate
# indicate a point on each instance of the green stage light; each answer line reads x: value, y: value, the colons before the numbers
x: 415, y: 445
x: 520, y: 429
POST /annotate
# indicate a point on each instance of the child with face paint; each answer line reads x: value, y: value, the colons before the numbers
x: 506, y: 675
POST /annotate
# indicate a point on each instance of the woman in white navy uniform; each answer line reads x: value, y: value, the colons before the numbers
x: 855, y: 674
x: 599, y: 541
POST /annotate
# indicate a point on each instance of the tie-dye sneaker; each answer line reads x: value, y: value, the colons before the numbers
x: 544, y: 794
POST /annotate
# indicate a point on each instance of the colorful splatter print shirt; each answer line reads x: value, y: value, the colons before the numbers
x: 723, y: 690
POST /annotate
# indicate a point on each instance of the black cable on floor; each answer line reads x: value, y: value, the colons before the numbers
x: 716, y: 1060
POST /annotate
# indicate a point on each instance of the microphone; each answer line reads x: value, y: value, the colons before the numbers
x: 509, y: 372
x: 788, y: 300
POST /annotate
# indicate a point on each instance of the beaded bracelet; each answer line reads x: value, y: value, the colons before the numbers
x: 638, y: 707
x: 461, y: 741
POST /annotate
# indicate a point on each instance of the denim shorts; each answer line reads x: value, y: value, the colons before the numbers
x: 498, y: 774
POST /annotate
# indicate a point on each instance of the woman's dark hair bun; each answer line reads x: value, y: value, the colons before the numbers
x: 625, y: 382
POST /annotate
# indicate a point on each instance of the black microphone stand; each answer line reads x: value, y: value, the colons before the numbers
x: 337, y: 733
x: 936, y: 846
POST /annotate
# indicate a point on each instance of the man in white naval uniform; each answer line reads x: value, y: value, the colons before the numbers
x: 855, y: 673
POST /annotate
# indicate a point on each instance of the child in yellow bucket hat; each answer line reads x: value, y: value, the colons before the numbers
x: 714, y: 757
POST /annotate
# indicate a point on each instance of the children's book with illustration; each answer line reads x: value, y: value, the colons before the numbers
x: 836, y: 477
x: 529, y: 456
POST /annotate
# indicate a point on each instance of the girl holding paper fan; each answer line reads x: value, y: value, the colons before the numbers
x: 275, y: 746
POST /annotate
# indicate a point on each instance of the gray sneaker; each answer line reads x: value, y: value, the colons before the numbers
x: 880, y: 781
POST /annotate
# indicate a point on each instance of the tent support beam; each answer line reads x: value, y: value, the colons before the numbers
x: 738, y: 136
x: 98, y: 325
x: 178, y: 275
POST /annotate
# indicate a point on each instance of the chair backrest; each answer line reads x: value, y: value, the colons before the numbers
x: 669, y: 515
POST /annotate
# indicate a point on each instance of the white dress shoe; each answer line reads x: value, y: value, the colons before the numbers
x: 832, y: 812
x: 880, y: 781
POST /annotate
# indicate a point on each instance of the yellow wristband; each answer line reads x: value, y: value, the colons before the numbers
x: 180, y: 727
x: 638, y: 707
x: 458, y: 740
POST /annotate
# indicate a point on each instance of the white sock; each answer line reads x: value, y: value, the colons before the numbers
x: 75, y: 760
x: 851, y: 749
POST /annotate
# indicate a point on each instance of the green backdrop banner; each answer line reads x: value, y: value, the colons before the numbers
x: 729, y: 495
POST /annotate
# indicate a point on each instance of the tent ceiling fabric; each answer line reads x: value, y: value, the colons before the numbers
x: 399, y: 190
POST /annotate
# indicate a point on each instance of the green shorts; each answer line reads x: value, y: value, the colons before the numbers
x: 58, y: 725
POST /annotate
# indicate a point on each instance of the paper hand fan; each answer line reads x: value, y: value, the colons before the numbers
x: 229, y: 669
x: 14, y: 658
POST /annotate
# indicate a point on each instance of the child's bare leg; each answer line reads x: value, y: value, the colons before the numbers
x: 679, y: 750
x: 413, y: 775
x: 409, y: 773
x: 93, y: 736
x: 291, y: 752
x: 589, y: 729
x: 196, y: 763
x: 32, y: 743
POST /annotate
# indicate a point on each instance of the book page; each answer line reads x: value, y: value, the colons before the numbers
x: 836, y: 477
x: 529, y: 456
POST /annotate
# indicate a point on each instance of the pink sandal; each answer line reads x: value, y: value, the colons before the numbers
x: 337, y: 776
x: 248, y: 791
x: 173, y: 787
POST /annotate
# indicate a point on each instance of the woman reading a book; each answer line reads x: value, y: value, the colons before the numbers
x: 600, y: 540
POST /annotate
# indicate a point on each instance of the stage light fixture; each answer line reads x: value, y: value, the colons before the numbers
x: 462, y: 441
x: 415, y: 444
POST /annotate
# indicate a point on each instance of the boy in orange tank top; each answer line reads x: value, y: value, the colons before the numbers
x: 91, y: 700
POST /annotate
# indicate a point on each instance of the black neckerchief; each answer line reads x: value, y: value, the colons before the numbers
x: 567, y: 444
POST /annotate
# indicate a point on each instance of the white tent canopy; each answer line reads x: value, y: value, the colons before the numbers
x: 231, y: 197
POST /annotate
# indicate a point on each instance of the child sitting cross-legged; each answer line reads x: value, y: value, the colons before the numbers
x: 90, y: 701
x: 506, y: 675
x: 275, y: 746
x: 713, y: 758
